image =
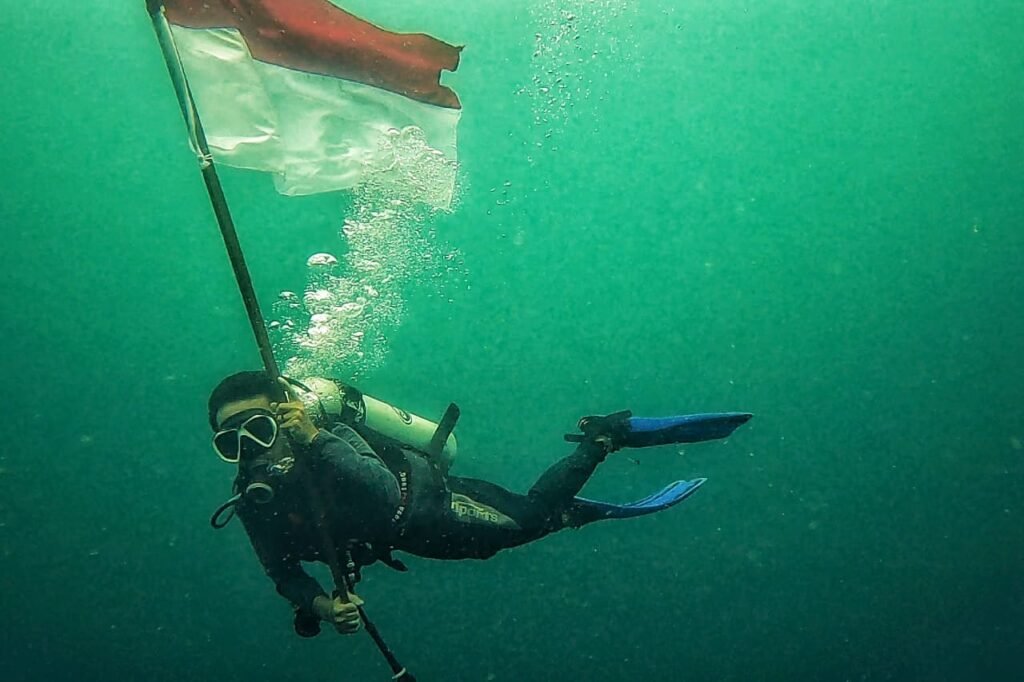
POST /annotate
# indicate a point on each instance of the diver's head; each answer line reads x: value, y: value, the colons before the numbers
x: 241, y: 387
x: 244, y: 423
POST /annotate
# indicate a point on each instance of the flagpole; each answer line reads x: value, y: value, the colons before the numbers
x: 197, y: 139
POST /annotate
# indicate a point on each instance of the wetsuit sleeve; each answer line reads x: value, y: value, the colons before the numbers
x: 370, y: 495
x: 291, y: 581
x: 359, y: 477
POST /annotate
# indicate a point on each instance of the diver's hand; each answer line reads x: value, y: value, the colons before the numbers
x: 343, y: 615
x: 292, y: 417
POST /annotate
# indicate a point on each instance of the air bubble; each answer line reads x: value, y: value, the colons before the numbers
x: 321, y: 260
x: 340, y: 324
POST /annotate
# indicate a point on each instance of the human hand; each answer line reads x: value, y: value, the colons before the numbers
x: 292, y: 417
x: 342, y: 614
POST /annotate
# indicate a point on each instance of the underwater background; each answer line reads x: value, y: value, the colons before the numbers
x: 813, y: 211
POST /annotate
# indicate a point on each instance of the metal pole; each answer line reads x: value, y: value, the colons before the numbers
x: 219, y: 202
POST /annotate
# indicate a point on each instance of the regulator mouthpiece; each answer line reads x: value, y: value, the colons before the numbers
x: 259, y: 492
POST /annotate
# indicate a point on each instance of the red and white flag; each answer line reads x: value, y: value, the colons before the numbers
x: 309, y: 92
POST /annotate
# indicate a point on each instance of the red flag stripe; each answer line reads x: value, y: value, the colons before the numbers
x: 318, y: 37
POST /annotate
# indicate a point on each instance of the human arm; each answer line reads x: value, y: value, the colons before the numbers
x: 352, y: 475
x: 282, y: 566
x: 298, y: 587
x: 346, y: 464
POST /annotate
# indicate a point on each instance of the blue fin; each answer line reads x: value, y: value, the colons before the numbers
x: 584, y: 510
x: 691, y: 428
x: 627, y: 431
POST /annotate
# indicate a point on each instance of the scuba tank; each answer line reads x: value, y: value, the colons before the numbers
x: 330, y: 402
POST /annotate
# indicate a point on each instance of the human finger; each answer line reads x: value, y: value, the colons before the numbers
x: 285, y: 415
x: 347, y: 629
x: 291, y: 423
x: 284, y: 408
x: 349, y: 620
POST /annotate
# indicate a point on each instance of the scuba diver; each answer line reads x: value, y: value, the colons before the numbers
x: 327, y: 472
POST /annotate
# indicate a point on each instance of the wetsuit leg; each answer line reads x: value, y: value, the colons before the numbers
x: 485, y: 517
x: 553, y: 491
x: 557, y: 486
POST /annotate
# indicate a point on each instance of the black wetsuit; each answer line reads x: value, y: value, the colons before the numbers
x: 387, y: 497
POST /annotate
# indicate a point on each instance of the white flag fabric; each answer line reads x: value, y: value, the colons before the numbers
x: 311, y: 93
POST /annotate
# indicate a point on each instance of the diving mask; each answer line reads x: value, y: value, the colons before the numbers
x: 256, y: 432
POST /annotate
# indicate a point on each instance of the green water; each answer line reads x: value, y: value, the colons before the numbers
x: 811, y: 211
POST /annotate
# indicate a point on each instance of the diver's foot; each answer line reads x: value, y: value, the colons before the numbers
x: 623, y: 430
x: 609, y: 431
